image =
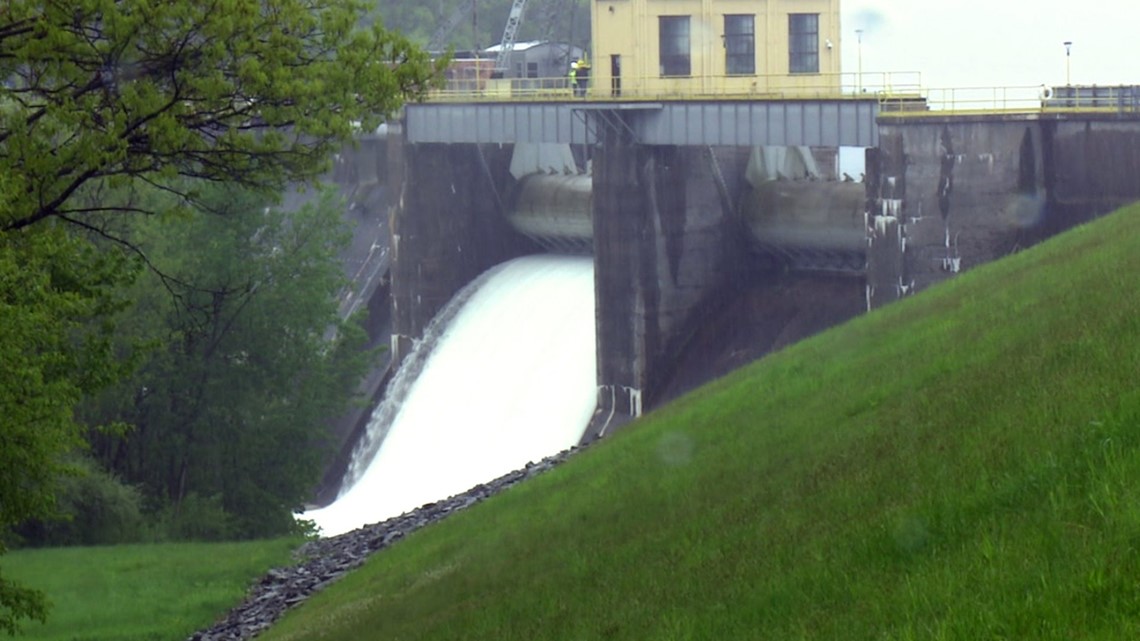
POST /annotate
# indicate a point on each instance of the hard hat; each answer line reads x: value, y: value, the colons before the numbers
x: 573, y: 65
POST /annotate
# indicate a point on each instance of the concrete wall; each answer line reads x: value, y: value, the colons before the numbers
x: 671, y: 250
x: 666, y: 251
x: 947, y: 194
x: 1091, y: 167
x: 360, y: 174
x: 449, y: 227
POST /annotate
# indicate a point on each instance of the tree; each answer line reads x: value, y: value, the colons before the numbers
x: 108, y: 95
x: 253, y: 360
x: 51, y: 285
x: 258, y: 92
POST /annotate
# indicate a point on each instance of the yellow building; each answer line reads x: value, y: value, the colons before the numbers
x: 682, y: 48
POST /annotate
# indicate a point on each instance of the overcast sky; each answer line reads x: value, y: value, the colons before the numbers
x: 957, y: 43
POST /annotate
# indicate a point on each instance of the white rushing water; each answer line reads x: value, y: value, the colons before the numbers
x: 512, y: 379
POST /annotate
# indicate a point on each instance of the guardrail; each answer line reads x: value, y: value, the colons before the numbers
x: 1011, y: 100
x: 845, y: 86
x: 899, y: 93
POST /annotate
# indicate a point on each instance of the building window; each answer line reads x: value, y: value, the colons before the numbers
x: 674, y: 45
x: 739, y: 44
x: 532, y: 70
x: 803, y: 43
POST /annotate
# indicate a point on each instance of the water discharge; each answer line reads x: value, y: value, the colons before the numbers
x: 511, y: 379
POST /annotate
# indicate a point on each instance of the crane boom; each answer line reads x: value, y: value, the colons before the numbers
x: 507, y: 44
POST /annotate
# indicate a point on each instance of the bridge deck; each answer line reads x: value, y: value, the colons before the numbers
x: 794, y: 117
x: 817, y: 122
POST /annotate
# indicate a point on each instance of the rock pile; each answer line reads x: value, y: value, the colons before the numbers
x: 323, y: 561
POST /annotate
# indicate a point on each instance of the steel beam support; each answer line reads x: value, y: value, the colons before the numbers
x: 830, y: 123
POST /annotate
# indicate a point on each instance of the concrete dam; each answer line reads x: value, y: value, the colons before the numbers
x: 548, y: 210
x: 706, y: 256
x: 692, y: 237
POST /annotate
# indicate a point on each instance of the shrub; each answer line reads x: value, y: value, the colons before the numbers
x: 196, y: 518
x: 93, y: 507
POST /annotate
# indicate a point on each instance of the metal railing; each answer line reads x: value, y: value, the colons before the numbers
x: 1027, y: 100
x: 842, y: 86
x: 900, y: 94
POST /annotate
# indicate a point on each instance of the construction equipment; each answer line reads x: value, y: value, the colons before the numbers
x: 507, y: 44
x: 552, y: 13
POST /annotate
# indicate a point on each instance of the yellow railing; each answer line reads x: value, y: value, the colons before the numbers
x: 760, y: 87
x: 1011, y: 100
x: 900, y: 94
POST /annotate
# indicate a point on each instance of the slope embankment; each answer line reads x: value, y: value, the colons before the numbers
x: 961, y: 464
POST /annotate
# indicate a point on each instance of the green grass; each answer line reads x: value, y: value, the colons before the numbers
x: 964, y: 464
x: 141, y: 592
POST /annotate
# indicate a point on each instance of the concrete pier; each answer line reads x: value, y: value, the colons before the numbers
x: 666, y: 225
x: 666, y: 249
x: 449, y: 227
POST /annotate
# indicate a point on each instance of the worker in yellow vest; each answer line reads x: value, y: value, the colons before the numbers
x: 582, y: 75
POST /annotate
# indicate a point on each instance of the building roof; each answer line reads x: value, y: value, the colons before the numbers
x: 519, y: 46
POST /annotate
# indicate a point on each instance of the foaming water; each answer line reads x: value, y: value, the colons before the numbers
x: 512, y: 379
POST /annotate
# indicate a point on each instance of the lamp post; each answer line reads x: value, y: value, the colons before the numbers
x: 859, y: 75
x: 1068, y: 61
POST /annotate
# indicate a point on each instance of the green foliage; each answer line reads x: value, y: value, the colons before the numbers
x: 259, y: 93
x: 193, y: 519
x: 103, y: 99
x: 253, y: 359
x: 958, y: 465
x: 142, y: 592
x: 17, y: 603
x: 52, y: 283
x: 92, y: 508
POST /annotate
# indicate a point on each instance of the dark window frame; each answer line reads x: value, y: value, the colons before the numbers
x: 674, y: 46
x: 803, y: 43
x: 740, y: 44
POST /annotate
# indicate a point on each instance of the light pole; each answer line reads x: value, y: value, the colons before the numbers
x: 1068, y: 61
x: 859, y: 75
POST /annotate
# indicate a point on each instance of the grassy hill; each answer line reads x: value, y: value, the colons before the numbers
x: 964, y: 464
x: 960, y: 465
x: 158, y: 592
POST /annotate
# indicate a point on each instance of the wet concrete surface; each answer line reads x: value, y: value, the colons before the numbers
x: 768, y: 314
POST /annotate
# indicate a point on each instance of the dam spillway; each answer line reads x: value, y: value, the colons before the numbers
x: 509, y: 380
x: 666, y: 226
